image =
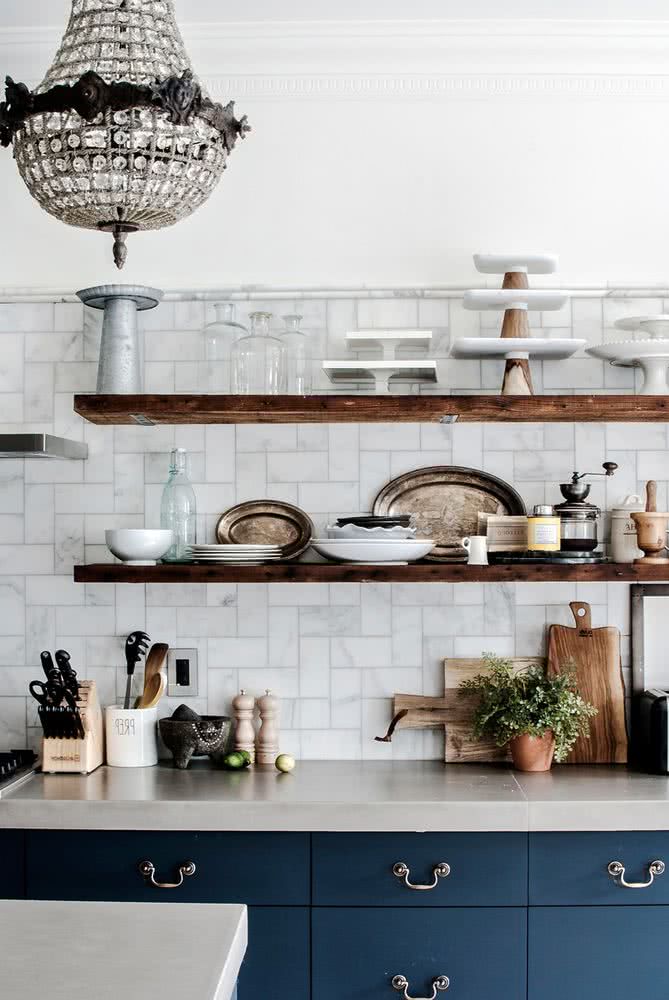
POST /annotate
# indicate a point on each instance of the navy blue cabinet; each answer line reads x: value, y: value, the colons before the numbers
x: 593, y: 952
x: 570, y: 869
x: 12, y: 872
x: 260, y: 869
x: 357, y: 869
x: 276, y: 964
x: 358, y: 952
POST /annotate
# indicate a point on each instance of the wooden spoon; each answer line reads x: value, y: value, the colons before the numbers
x: 152, y: 694
x: 153, y: 666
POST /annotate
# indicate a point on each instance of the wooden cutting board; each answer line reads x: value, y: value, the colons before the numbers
x: 455, y: 711
x: 595, y: 653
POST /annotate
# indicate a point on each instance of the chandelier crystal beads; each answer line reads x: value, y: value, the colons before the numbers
x: 119, y: 136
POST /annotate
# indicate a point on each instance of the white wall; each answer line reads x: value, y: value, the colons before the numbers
x: 387, y: 152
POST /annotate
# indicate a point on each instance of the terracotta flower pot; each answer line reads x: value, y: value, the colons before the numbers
x: 533, y: 753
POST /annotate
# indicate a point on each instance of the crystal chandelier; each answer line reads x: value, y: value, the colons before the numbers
x: 119, y: 136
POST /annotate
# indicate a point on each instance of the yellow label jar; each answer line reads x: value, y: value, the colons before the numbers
x: 543, y: 530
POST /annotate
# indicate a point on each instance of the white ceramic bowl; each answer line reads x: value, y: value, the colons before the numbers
x: 138, y: 546
x: 346, y: 531
x: 401, y: 550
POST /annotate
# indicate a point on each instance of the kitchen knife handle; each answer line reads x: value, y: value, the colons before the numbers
x: 148, y: 870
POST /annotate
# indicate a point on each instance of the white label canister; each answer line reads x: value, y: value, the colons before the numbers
x: 624, y: 548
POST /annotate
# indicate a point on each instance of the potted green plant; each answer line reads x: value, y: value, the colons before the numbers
x: 537, y: 716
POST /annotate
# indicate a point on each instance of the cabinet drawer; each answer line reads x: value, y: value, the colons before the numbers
x: 610, y: 952
x: 253, y: 868
x: 12, y: 873
x: 358, y: 869
x: 276, y: 963
x: 358, y: 952
x: 571, y: 868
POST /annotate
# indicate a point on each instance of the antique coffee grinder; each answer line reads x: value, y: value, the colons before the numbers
x: 579, y: 519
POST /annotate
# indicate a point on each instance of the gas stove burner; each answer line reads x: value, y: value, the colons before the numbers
x: 15, y: 766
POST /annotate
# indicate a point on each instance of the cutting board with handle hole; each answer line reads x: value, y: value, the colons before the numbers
x: 595, y: 652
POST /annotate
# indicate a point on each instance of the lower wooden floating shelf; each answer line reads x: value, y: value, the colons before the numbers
x: 361, y: 573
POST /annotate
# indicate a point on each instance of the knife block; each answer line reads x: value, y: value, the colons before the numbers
x: 78, y: 756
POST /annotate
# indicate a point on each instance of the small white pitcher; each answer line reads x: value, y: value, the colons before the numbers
x: 477, y: 550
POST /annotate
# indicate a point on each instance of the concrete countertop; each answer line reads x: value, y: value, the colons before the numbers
x: 342, y: 796
x: 75, y: 951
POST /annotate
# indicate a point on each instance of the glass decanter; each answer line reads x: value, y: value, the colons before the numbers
x: 298, y: 356
x: 258, y: 360
x: 219, y: 337
x: 178, y: 511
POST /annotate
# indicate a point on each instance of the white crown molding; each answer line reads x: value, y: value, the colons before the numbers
x: 391, y: 60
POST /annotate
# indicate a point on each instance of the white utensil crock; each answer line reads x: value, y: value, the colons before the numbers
x: 477, y: 551
x: 132, y: 736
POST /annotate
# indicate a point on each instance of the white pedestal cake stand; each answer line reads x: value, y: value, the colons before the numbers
x: 650, y: 352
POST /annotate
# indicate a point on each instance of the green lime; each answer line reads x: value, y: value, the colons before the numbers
x: 246, y: 755
x: 234, y: 761
x: 284, y: 762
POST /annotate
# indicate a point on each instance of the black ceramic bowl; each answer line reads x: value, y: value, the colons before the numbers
x: 209, y: 735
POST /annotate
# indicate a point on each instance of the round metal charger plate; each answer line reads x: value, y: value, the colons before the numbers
x: 267, y: 522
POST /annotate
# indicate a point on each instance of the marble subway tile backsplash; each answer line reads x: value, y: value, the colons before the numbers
x: 334, y: 653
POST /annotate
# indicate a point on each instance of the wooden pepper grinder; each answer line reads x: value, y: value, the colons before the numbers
x: 651, y: 529
x: 245, y: 735
x: 267, y: 743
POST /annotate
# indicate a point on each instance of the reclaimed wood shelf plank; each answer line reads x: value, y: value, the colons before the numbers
x: 360, y: 408
x: 360, y: 573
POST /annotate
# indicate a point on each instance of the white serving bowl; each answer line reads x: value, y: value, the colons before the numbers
x: 138, y: 546
x: 401, y: 550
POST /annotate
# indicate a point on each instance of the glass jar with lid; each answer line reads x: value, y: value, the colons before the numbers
x: 298, y: 356
x: 258, y: 360
x: 219, y: 337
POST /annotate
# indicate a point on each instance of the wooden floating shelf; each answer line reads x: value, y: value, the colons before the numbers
x: 360, y: 573
x: 361, y: 408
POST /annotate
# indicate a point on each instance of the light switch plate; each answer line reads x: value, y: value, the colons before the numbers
x: 182, y: 673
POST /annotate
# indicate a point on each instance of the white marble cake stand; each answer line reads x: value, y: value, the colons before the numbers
x: 652, y: 327
x: 548, y: 348
x: 519, y: 263
x: 652, y: 356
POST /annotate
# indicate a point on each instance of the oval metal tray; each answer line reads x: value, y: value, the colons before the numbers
x: 446, y: 500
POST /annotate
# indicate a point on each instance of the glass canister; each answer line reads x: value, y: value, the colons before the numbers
x: 543, y: 530
x: 178, y: 510
x: 298, y: 356
x: 624, y: 548
x: 219, y: 337
x: 258, y: 360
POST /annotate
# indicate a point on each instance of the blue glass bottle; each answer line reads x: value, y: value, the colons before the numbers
x: 178, y: 512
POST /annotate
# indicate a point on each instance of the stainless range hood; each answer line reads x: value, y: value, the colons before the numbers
x: 40, y: 446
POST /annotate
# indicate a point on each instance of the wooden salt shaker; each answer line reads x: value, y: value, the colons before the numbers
x: 267, y: 743
x: 245, y: 735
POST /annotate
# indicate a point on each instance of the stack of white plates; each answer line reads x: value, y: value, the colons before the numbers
x: 235, y: 554
x: 399, y: 550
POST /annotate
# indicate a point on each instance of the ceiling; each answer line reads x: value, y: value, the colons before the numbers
x: 50, y: 13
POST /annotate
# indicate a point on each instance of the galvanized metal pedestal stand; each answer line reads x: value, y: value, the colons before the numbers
x: 119, y: 367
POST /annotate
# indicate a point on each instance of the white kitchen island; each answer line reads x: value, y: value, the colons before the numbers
x: 76, y: 951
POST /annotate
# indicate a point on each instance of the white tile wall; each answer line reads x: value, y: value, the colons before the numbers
x: 334, y: 653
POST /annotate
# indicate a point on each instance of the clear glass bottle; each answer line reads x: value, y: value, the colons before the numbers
x: 259, y: 360
x: 219, y: 337
x: 178, y: 512
x: 298, y: 356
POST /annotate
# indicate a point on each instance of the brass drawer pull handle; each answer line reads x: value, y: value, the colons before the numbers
x: 616, y: 870
x: 402, y: 870
x: 438, y: 984
x: 148, y: 870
